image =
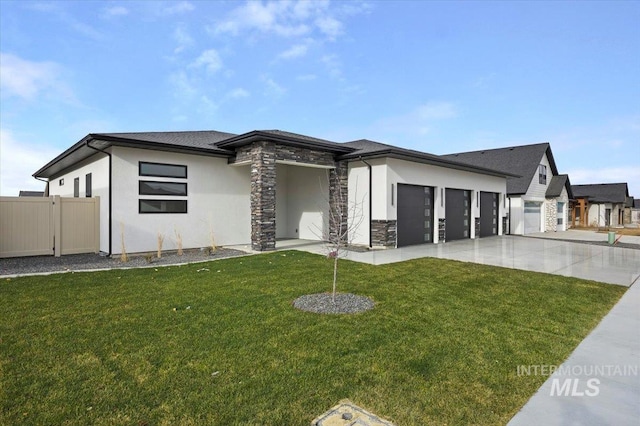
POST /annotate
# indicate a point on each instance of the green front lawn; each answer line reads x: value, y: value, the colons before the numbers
x: 225, y: 346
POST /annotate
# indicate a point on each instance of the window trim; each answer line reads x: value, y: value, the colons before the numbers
x: 140, y: 163
x: 141, y: 200
x: 186, y: 188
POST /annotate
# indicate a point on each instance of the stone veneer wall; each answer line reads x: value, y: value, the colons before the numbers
x: 551, y: 215
x: 262, y: 157
x: 338, y: 202
x: 383, y: 233
x: 263, y: 196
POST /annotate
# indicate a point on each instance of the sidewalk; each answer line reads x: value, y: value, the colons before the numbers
x: 613, y: 346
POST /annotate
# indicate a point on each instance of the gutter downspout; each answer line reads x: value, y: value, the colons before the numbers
x: 370, y: 196
x: 110, y: 193
x: 46, y: 188
x: 509, y: 221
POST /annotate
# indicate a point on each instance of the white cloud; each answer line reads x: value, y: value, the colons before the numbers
x: 329, y: 26
x: 283, y: 18
x: 177, y: 8
x: 182, y: 38
x: 294, y: 51
x: 115, y: 11
x: 18, y: 162
x: 333, y: 65
x: 184, y: 88
x: 210, y: 60
x: 417, y: 122
x: 238, y: 93
x: 28, y: 80
x: 273, y: 89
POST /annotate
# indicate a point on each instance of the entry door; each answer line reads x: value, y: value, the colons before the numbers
x: 415, y: 214
x: 488, y: 214
x: 607, y: 217
x: 457, y: 214
x: 531, y: 217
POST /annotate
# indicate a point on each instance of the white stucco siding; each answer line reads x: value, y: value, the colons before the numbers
x: 218, y: 202
x: 358, y: 191
x: 302, y: 202
x: 440, y: 178
x: 400, y: 171
x: 515, y: 208
x: 98, y: 166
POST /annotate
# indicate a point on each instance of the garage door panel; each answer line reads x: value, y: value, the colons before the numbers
x: 415, y: 214
x: 488, y: 214
x: 457, y: 214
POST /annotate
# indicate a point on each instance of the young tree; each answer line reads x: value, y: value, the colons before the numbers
x: 345, y: 217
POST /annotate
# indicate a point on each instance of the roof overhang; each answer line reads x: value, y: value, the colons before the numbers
x: 92, y: 144
x: 259, y: 136
x: 427, y: 159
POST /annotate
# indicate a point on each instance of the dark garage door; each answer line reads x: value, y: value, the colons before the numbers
x: 488, y: 214
x: 415, y: 214
x: 457, y: 214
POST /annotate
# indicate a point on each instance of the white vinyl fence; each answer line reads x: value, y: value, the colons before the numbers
x: 49, y: 226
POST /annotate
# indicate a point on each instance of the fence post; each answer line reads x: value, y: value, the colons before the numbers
x: 57, y: 225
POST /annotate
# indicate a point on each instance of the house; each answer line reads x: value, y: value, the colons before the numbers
x: 265, y: 185
x: 634, y: 211
x: 538, y: 197
x: 600, y: 204
x: 31, y: 194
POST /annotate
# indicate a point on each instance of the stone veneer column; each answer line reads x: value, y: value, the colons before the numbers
x: 338, y: 201
x: 263, y: 196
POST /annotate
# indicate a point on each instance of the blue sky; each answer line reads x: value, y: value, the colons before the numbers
x: 439, y: 77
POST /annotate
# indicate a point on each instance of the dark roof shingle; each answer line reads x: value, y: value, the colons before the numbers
x: 558, y: 182
x: 518, y: 160
x: 602, y: 192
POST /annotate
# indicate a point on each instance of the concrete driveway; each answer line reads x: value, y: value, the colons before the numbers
x: 613, y: 265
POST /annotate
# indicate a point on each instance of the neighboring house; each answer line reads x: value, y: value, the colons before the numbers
x: 634, y: 211
x: 600, y: 204
x: 31, y: 194
x: 262, y: 186
x: 538, y: 197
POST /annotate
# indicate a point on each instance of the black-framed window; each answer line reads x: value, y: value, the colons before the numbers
x: 61, y: 182
x: 88, y: 188
x: 147, y: 187
x: 76, y: 187
x: 162, y: 206
x: 542, y: 174
x: 162, y: 170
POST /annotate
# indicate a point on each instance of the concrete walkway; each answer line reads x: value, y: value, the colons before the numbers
x: 599, y: 384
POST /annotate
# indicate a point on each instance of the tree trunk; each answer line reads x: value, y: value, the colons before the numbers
x: 335, y: 277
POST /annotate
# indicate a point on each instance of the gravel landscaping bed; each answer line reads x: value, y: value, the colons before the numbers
x: 84, y: 262
x: 322, y: 303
